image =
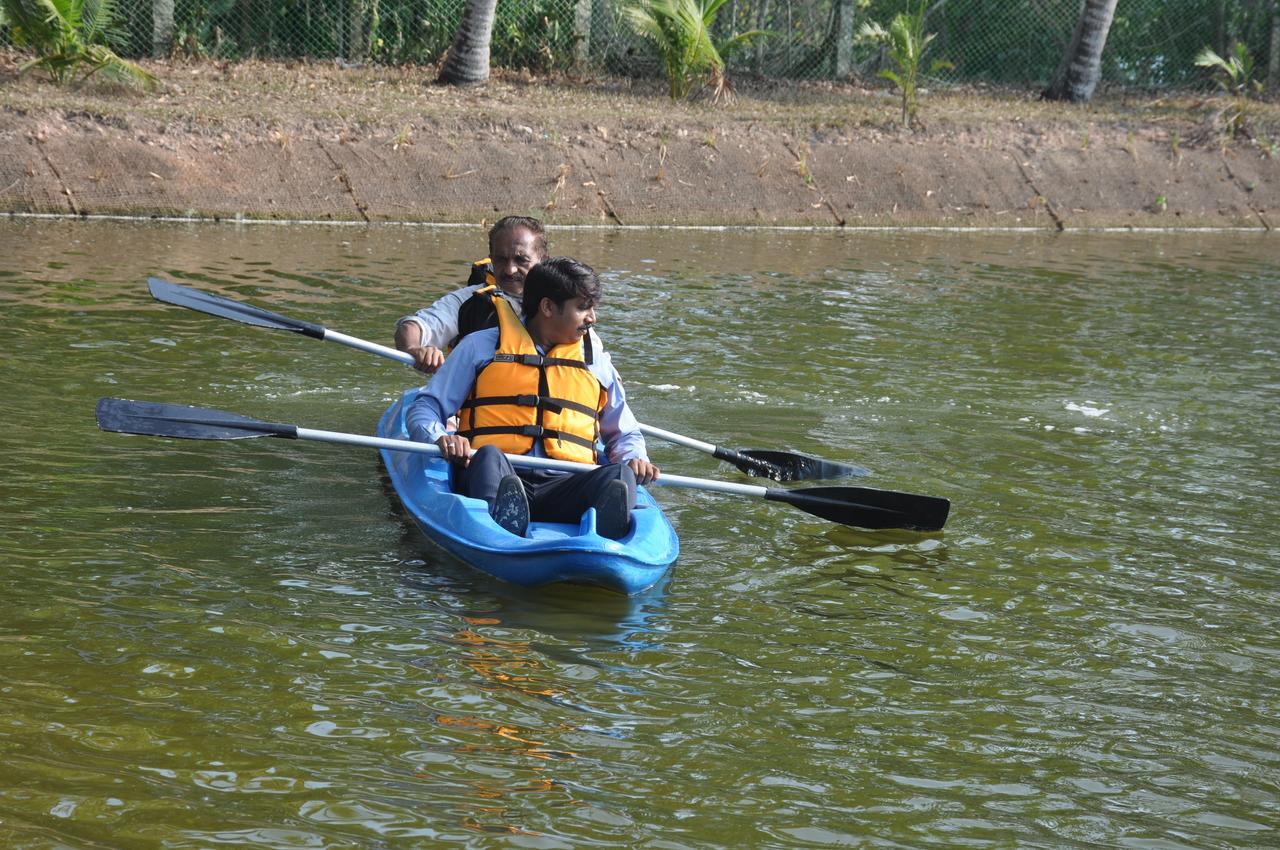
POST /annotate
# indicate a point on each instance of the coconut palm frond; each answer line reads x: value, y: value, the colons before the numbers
x: 1234, y: 71
x: 96, y: 20
x: 1209, y: 58
x: 905, y: 42
x: 70, y: 38
x: 730, y: 46
x: 32, y: 21
x: 680, y: 31
x: 872, y: 31
x: 104, y: 62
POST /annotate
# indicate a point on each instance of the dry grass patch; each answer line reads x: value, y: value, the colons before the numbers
x: 387, y: 99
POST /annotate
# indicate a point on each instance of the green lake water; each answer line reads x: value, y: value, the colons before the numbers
x: 246, y: 644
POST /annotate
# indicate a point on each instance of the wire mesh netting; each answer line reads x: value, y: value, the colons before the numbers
x: 1152, y: 43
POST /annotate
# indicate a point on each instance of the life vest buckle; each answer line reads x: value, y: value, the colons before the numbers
x: 504, y: 358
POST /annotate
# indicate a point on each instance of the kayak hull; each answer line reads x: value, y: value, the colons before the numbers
x: 551, y: 552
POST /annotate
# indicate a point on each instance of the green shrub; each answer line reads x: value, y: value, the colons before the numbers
x: 70, y: 38
x: 1234, y: 75
x: 680, y: 30
x: 906, y: 42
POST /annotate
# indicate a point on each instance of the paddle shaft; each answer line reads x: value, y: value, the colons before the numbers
x: 678, y: 439
x: 518, y: 460
x: 857, y: 506
x: 228, y: 308
x: 835, y: 504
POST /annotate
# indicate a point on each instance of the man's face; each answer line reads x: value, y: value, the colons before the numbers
x: 568, y: 322
x: 513, y: 253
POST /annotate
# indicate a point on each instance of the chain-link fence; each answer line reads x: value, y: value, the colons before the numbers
x: 1152, y: 43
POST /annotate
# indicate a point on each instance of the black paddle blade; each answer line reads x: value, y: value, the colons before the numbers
x: 864, y: 507
x: 797, y: 466
x: 154, y: 419
x: 216, y: 305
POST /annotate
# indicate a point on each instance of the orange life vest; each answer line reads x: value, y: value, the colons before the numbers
x: 522, y: 395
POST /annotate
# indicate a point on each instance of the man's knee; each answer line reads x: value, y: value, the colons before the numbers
x: 479, y: 479
x: 486, y: 455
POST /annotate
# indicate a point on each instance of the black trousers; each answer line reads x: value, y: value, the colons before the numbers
x: 553, y: 496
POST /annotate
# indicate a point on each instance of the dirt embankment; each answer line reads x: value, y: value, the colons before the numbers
x: 318, y: 142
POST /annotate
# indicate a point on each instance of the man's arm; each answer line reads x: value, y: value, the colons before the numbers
x: 430, y: 411
x: 623, y: 441
x: 425, y: 333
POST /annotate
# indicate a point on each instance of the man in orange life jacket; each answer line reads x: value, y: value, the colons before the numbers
x: 538, y: 387
x: 516, y: 244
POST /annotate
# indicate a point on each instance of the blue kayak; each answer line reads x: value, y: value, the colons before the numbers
x: 551, y: 552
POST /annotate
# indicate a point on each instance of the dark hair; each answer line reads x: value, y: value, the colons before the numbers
x: 559, y: 278
x: 513, y: 222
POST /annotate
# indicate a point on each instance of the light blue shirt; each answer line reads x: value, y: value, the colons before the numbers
x: 439, y: 322
x: 451, y: 385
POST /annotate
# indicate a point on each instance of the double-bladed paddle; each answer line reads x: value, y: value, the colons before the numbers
x: 766, y: 463
x: 861, y: 507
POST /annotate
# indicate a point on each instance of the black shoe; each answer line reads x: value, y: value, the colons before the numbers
x: 613, y: 514
x: 511, y: 506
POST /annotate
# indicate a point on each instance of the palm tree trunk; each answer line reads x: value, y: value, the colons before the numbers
x: 1081, y: 66
x: 468, y: 59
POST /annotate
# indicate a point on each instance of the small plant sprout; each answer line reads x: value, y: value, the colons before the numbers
x: 403, y: 138
x: 1234, y: 75
x: 680, y: 31
x: 802, y: 168
x: 1161, y: 203
x: 906, y: 42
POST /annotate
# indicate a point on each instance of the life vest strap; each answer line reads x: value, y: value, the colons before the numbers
x: 555, y: 405
x: 534, y: 431
x: 538, y: 360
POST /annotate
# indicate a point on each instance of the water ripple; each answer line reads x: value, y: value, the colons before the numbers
x: 247, y: 644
